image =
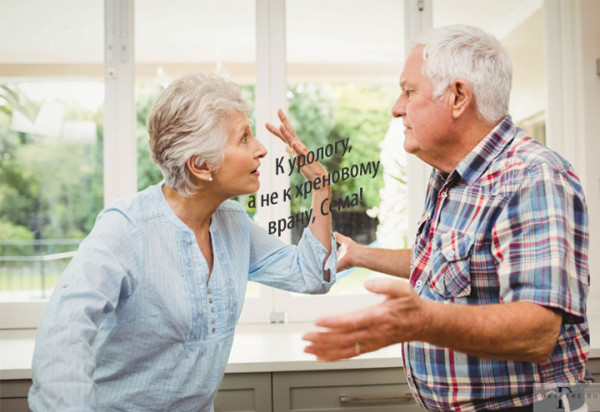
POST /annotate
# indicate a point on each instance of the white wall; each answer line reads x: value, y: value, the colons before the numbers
x: 572, y: 45
x: 525, y: 45
x: 589, y: 29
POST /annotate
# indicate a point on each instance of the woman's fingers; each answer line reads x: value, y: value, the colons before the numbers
x: 295, y: 146
x: 274, y: 131
x: 286, y: 123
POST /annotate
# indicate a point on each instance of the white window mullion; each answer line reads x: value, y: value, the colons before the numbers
x: 119, y: 134
x: 418, y: 18
x: 271, y: 87
x: 120, y: 162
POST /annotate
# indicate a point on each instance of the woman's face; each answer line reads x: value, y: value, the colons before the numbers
x: 238, y: 174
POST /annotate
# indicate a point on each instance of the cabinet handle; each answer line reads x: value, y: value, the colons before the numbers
x: 350, y: 400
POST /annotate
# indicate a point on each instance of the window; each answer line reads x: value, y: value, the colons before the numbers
x: 51, y: 173
x: 327, y: 73
x: 342, y: 72
x: 519, y: 25
x: 333, y: 65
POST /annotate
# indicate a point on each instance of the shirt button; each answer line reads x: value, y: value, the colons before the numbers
x: 214, y: 330
x: 451, y: 253
x: 210, y: 300
x: 419, y: 283
x: 444, y: 195
x: 213, y: 321
x: 212, y: 310
x: 209, y: 291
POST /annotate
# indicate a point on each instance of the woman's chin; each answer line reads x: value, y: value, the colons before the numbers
x: 252, y: 188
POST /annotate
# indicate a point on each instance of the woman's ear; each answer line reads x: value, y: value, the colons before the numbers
x: 202, y: 173
x: 461, y: 97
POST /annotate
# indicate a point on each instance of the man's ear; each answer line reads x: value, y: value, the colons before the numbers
x: 460, y: 97
x: 202, y: 173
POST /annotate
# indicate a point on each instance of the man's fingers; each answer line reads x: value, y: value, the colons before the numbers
x: 348, y: 349
x: 336, y: 338
x: 352, y: 321
x: 390, y: 286
x: 333, y: 354
x: 340, y: 238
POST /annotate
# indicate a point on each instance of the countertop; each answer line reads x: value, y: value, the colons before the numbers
x: 256, y: 348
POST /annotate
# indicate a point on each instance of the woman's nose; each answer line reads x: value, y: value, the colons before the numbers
x: 261, y: 150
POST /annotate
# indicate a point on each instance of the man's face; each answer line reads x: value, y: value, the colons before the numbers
x: 425, y: 121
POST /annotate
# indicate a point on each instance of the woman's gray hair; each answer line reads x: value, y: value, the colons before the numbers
x: 189, y: 119
x: 469, y: 53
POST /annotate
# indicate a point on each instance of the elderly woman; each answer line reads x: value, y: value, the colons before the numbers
x: 144, y: 316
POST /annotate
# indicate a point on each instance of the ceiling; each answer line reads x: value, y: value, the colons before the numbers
x: 332, y: 31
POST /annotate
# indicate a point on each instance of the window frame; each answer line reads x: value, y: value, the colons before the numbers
x: 120, y: 154
x: 120, y: 170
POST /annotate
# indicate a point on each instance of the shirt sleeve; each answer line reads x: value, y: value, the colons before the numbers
x: 540, y: 241
x: 294, y: 268
x: 91, y: 286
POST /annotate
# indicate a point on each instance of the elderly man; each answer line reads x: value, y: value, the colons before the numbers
x: 496, y: 304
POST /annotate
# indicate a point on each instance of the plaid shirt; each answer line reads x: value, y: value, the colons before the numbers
x: 508, y: 224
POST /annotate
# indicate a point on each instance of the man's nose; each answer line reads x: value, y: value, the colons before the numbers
x: 399, y: 108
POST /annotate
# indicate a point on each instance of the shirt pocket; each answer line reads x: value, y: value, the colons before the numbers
x: 451, y: 276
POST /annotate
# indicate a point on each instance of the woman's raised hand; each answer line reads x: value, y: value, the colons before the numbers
x: 296, y: 148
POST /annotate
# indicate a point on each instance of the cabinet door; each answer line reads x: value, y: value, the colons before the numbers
x: 343, y: 390
x: 13, y: 395
x: 244, y: 392
x: 593, y: 366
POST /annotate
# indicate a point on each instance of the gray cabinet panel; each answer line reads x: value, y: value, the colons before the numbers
x: 14, y: 405
x: 244, y: 392
x: 342, y: 390
x: 593, y: 366
x: 13, y: 395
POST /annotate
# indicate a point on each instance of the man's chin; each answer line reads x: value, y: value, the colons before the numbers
x: 410, y: 148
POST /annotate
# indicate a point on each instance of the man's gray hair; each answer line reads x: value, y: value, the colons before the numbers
x: 189, y: 119
x: 469, y: 53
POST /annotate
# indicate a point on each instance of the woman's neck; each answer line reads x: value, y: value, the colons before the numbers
x: 194, y: 211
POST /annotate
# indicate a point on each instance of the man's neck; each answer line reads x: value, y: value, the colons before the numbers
x: 471, y: 134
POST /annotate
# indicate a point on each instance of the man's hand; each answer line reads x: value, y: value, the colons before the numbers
x: 347, y: 252
x: 399, y: 318
x: 520, y: 331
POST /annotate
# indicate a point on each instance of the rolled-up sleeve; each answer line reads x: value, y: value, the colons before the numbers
x: 540, y: 241
x: 293, y: 268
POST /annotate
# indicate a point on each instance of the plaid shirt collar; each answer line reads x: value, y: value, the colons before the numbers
x: 477, y: 161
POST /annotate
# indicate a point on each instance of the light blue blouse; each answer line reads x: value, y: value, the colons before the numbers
x: 132, y: 324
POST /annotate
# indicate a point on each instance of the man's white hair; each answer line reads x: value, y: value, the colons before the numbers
x: 189, y: 119
x: 469, y: 53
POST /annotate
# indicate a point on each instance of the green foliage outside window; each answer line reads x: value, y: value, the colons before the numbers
x: 51, y: 188
x: 324, y: 114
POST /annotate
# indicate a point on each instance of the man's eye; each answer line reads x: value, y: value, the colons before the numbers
x: 245, y: 138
